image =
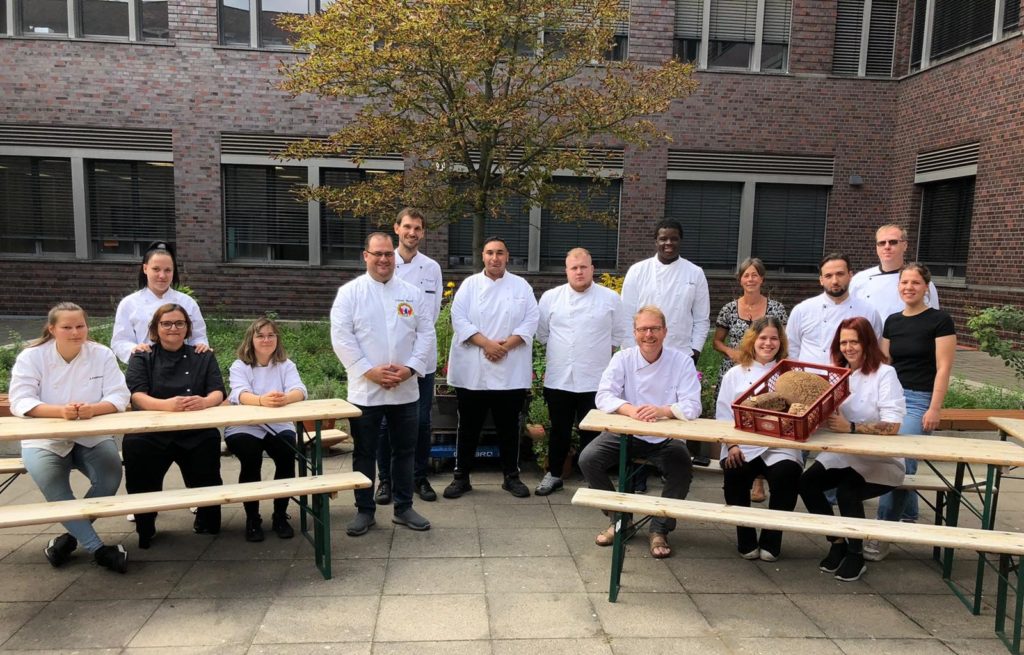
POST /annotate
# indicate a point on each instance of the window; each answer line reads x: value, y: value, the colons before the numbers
x: 342, y: 236
x: 264, y: 219
x: 724, y: 33
x: 958, y: 25
x: 43, y: 17
x: 36, y: 208
x: 253, y: 23
x: 620, y: 45
x: 513, y: 226
x: 3, y: 17
x: 133, y: 20
x: 710, y: 215
x: 104, y: 18
x: 130, y: 204
x: 154, y: 19
x: 851, y: 55
x: 560, y: 236
x: 946, y: 209
x: 789, y: 226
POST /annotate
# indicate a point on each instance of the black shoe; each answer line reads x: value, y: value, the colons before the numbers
x: 425, y: 491
x: 383, y: 495
x: 201, y: 528
x: 411, y: 519
x: 59, y: 550
x: 254, y: 529
x: 515, y: 486
x: 114, y: 558
x: 834, y: 558
x: 281, y: 526
x: 457, y: 487
x: 360, y: 525
x: 852, y: 567
x: 146, y: 538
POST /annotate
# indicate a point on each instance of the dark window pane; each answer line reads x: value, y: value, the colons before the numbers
x: 846, y: 47
x: 773, y: 56
x: 687, y: 50
x: 710, y: 215
x: 960, y: 24
x: 36, y: 214
x: 789, y: 226
x: 342, y: 235
x: 618, y: 51
x: 729, y: 54
x: 270, y: 33
x: 512, y: 225
x: 3, y: 17
x: 234, y: 22
x: 918, y: 37
x: 104, y: 17
x: 130, y: 204
x: 44, y: 17
x: 558, y: 237
x: 154, y: 19
x: 1011, y: 16
x: 263, y: 218
x: 946, y: 209
x: 881, y: 37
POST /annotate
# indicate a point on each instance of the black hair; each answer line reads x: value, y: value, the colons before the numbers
x: 668, y: 224
x: 832, y: 257
x: 159, y: 248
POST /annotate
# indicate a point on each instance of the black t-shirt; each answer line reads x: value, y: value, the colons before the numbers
x: 912, y: 346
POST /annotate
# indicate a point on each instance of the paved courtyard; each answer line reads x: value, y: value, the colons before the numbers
x: 495, y: 575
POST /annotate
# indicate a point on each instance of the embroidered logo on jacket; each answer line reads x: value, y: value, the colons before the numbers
x: 404, y: 309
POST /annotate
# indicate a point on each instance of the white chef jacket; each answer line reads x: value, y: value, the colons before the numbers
x: 881, y: 291
x: 135, y: 311
x: 580, y: 328
x: 496, y: 309
x: 680, y: 291
x: 670, y: 380
x: 375, y: 323
x: 813, y: 323
x: 41, y: 376
x: 734, y: 383
x: 873, y: 398
x: 425, y: 274
x: 259, y: 380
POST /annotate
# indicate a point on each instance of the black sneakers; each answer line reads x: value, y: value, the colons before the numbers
x: 458, y: 487
x: 515, y: 486
x: 114, y: 558
x: 834, y: 558
x: 383, y: 495
x: 282, y: 528
x: 254, y: 529
x: 852, y: 567
x: 59, y: 550
x: 425, y: 491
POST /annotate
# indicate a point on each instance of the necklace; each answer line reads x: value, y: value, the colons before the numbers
x: 751, y: 308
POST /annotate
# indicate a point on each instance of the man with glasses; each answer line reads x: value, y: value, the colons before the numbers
x: 382, y: 332
x: 879, y: 285
x: 647, y: 382
x: 424, y: 273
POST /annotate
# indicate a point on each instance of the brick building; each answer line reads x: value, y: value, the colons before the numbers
x: 814, y: 122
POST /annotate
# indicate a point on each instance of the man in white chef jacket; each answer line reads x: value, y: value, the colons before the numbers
x: 648, y: 382
x: 382, y: 332
x: 812, y: 323
x: 494, y: 318
x: 424, y: 273
x: 580, y: 323
x: 879, y: 285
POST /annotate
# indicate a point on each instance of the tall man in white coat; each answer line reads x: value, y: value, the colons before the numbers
x: 382, y: 333
x: 879, y: 285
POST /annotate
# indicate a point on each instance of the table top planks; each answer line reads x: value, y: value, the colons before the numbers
x: 932, y: 448
x: 14, y: 428
x: 1012, y: 427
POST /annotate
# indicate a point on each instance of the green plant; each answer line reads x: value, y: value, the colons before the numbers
x: 992, y: 325
x: 444, y: 331
x: 964, y: 396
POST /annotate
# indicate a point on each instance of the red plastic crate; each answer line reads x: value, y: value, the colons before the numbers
x: 790, y: 426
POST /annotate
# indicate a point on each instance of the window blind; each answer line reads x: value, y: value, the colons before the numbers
x: 846, y: 47
x: 560, y: 236
x: 789, y: 226
x: 263, y: 217
x: 342, y: 235
x: 130, y: 204
x: 881, y: 37
x: 689, y: 19
x: 36, y: 212
x: 917, y: 41
x: 512, y: 225
x: 776, y: 21
x: 946, y: 209
x: 733, y: 20
x: 961, y: 24
x: 710, y: 215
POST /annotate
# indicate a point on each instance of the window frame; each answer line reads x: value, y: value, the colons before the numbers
x: 255, y: 22
x: 755, y: 56
x: 927, y: 60
x: 866, y: 33
x: 923, y: 188
x: 74, y: 21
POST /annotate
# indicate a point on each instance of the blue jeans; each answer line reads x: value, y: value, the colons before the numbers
x: 52, y: 474
x: 402, y: 431
x: 902, y: 503
x: 421, y: 461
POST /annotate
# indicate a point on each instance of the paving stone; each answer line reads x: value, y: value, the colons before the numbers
x: 794, y: 576
x: 168, y: 545
x: 571, y: 516
x: 782, y: 646
x: 436, y: 542
x: 15, y: 615
x: 374, y: 544
x: 755, y: 615
x: 314, y: 620
x: 895, y: 647
x: 531, y: 574
x: 143, y: 580
x: 650, y: 615
x: 541, y: 615
x: 593, y: 646
x: 322, y: 648
x: 230, y: 579
x: 728, y: 576
x: 433, y: 648
x: 96, y: 624
x: 224, y: 649
x: 10, y: 542
x: 451, y: 617
x: 446, y: 514
x: 23, y: 582
x: 856, y: 616
x: 187, y: 622
x: 437, y: 575
x: 231, y: 545
x: 944, y: 616
x: 687, y: 646
x: 529, y: 516
x: 976, y: 646
x: 919, y: 577
x: 638, y: 575
x: 349, y: 577
x: 522, y: 542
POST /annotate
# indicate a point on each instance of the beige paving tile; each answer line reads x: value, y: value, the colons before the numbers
x: 541, y: 615
x: 84, y: 625
x: 432, y: 648
x: 592, y: 646
x: 856, y: 616
x: 944, y: 616
x: 230, y: 544
x: 447, y: 514
x: 350, y: 577
x: 233, y: 649
x: 11, y: 542
x: 143, y: 580
x: 650, y: 615
x: 755, y: 615
x: 322, y: 648
x: 900, y: 576
x: 571, y: 516
x: 639, y: 575
x: 374, y: 544
x: 529, y: 516
x: 437, y: 542
x: 976, y: 646
x: 795, y: 576
x: 232, y: 579
x: 896, y: 647
x: 310, y: 620
x: 22, y: 582
x: 781, y: 646
x: 434, y: 575
x: 522, y: 542
x: 676, y: 646
x: 186, y: 622
x: 15, y: 615
x: 450, y: 618
x: 168, y: 545
x: 733, y: 575
x: 531, y: 574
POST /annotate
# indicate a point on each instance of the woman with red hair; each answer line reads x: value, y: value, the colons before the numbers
x: 875, y: 406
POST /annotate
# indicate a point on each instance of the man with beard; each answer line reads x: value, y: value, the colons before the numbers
x: 813, y: 323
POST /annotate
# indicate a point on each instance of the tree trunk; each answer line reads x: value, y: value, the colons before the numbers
x: 478, y: 239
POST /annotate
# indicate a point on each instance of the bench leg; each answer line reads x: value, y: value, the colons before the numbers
x: 988, y: 521
x: 952, y: 516
x: 311, y: 462
x: 621, y: 521
x: 940, y: 508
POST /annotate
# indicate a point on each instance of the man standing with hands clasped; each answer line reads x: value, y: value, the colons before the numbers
x: 383, y: 335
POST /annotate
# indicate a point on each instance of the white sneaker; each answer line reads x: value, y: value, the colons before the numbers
x: 875, y: 551
x: 751, y: 555
x: 767, y: 556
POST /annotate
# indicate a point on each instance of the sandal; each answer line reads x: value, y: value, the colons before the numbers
x: 659, y: 546
x: 606, y: 538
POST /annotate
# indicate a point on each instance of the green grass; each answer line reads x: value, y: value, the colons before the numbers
x: 962, y: 396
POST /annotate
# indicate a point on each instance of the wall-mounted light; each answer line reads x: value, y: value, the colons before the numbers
x: 856, y: 180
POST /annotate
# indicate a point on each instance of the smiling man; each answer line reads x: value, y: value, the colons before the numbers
x: 878, y: 285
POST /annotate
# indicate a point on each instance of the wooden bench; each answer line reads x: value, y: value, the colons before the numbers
x: 1005, y: 544
x: 974, y: 420
x: 328, y: 438
x: 12, y: 467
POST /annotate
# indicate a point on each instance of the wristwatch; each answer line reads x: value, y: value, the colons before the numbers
x: 853, y: 427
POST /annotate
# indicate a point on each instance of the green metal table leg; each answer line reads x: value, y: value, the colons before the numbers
x: 322, y: 533
x: 1004, y: 579
x: 1017, y: 611
x: 987, y: 523
x: 621, y: 521
x: 952, y: 516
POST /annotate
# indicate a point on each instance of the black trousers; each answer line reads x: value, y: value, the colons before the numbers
x: 249, y: 450
x: 147, y: 459
x: 473, y: 407
x: 566, y: 409
x: 851, y: 492
x: 783, y: 481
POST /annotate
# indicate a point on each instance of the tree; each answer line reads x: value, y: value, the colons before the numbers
x: 486, y: 98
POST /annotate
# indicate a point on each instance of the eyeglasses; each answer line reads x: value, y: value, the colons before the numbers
x: 265, y: 337
x: 890, y: 242
x: 387, y: 254
x: 177, y: 325
x: 649, y: 330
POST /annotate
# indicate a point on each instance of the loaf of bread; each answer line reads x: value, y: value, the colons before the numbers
x: 771, y: 400
x: 800, y: 387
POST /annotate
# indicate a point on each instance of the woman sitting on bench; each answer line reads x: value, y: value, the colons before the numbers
x: 65, y: 375
x: 264, y: 376
x: 875, y: 406
x: 174, y: 377
x: 762, y: 346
